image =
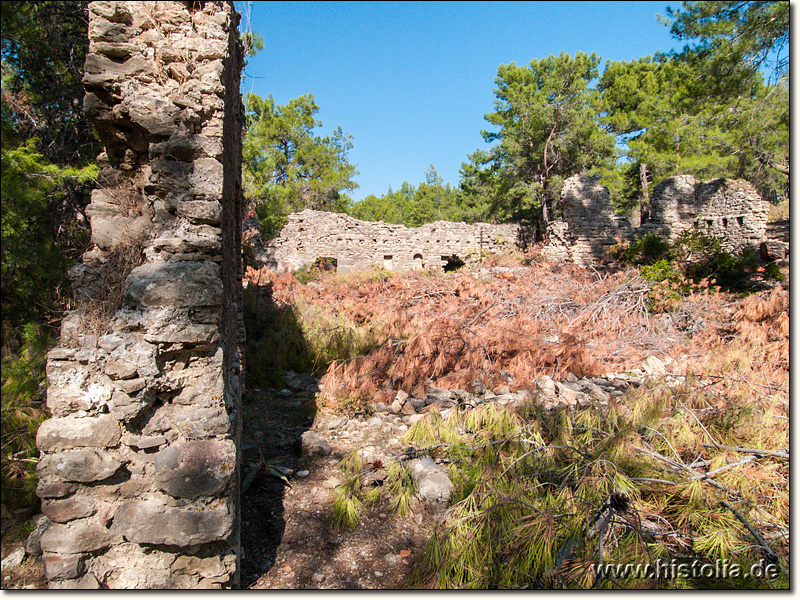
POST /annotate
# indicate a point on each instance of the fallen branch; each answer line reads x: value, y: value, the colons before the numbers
x: 476, y: 317
x: 716, y: 445
x: 775, y: 453
x: 761, y: 542
x: 705, y: 375
x: 680, y: 467
x: 749, y: 459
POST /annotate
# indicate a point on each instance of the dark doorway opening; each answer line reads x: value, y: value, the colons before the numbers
x: 451, y: 263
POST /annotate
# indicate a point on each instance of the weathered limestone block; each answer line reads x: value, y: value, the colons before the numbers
x: 773, y: 250
x: 121, y: 369
x: 81, y: 466
x: 125, y: 409
x: 127, y: 566
x: 174, y: 284
x: 67, y: 372
x: 187, y: 148
x: 195, y: 469
x: 212, y: 567
x: 152, y: 521
x: 54, y: 489
x: 433, y: 485
x: 201, y: 211
x: 110, y: 231
x: 144, y: 443
x: 194, y: 423
x: 75, y: 432
x: 63, y: 511
x: 87, y: 582
x: 66, y: 400
x: 199, y: 389
x: 84, y: 535
x: 313, y: 444
x: 116, y: 12
x: 131, y: 386
x: 191, y: 242
x: 63, y: 566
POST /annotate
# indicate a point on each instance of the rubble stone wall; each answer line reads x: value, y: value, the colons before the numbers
x: 727, y: 209
x: 139, y: 462
x: 310, y: 235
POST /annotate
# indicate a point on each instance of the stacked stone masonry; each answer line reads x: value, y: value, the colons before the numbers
x: 729, y: 210
x: 139, y: 464
x: 311, y: 235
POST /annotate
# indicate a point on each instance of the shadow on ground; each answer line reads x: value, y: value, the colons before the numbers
x: 278, y: 407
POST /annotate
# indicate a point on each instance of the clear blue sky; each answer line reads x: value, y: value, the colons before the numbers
x: 412, y: 81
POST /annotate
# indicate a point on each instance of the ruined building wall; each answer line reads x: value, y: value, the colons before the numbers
x: 727, y: 209
x: 730, y: 210
x: 589, y: 223
x: 355, y: 244
x: 138, y: 469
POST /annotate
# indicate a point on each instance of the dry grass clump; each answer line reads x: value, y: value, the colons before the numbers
x: 108, y: 289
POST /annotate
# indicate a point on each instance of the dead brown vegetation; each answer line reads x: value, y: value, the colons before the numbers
x: 514, y: 324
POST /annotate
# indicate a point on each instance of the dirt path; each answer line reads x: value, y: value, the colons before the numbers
x: 288, y: 534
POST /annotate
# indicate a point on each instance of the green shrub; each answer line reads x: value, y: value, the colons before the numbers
x: 23, y: 395
x: 646, y: 250
x: 693, y: 259
x: 660, y: 271
x: 773, y: 271
x: 312, y: 272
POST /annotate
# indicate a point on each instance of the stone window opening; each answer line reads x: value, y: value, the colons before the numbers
x: 725, y: 222
x: 417, y: 262
x: 740, y: 221
x: 387, y: 262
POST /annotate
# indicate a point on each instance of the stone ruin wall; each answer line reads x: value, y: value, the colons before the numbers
x: 310, y: 235
x: 727, y: 209
x: 139, y: 462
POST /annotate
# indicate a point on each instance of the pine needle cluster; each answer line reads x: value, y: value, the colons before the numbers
x: 543, y: 497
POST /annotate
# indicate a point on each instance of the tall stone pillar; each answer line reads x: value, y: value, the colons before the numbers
x: 139, y: 468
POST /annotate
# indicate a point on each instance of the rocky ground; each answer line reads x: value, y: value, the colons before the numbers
x: 288, y: 534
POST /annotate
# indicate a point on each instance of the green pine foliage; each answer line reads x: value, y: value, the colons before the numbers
x: 413, y: 206
x: 287, y: 167
x: 541, y: 496
x: 23, y: 409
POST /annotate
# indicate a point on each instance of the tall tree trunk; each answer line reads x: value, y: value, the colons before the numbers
x: 545, y: 211
x: 644, y: 208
